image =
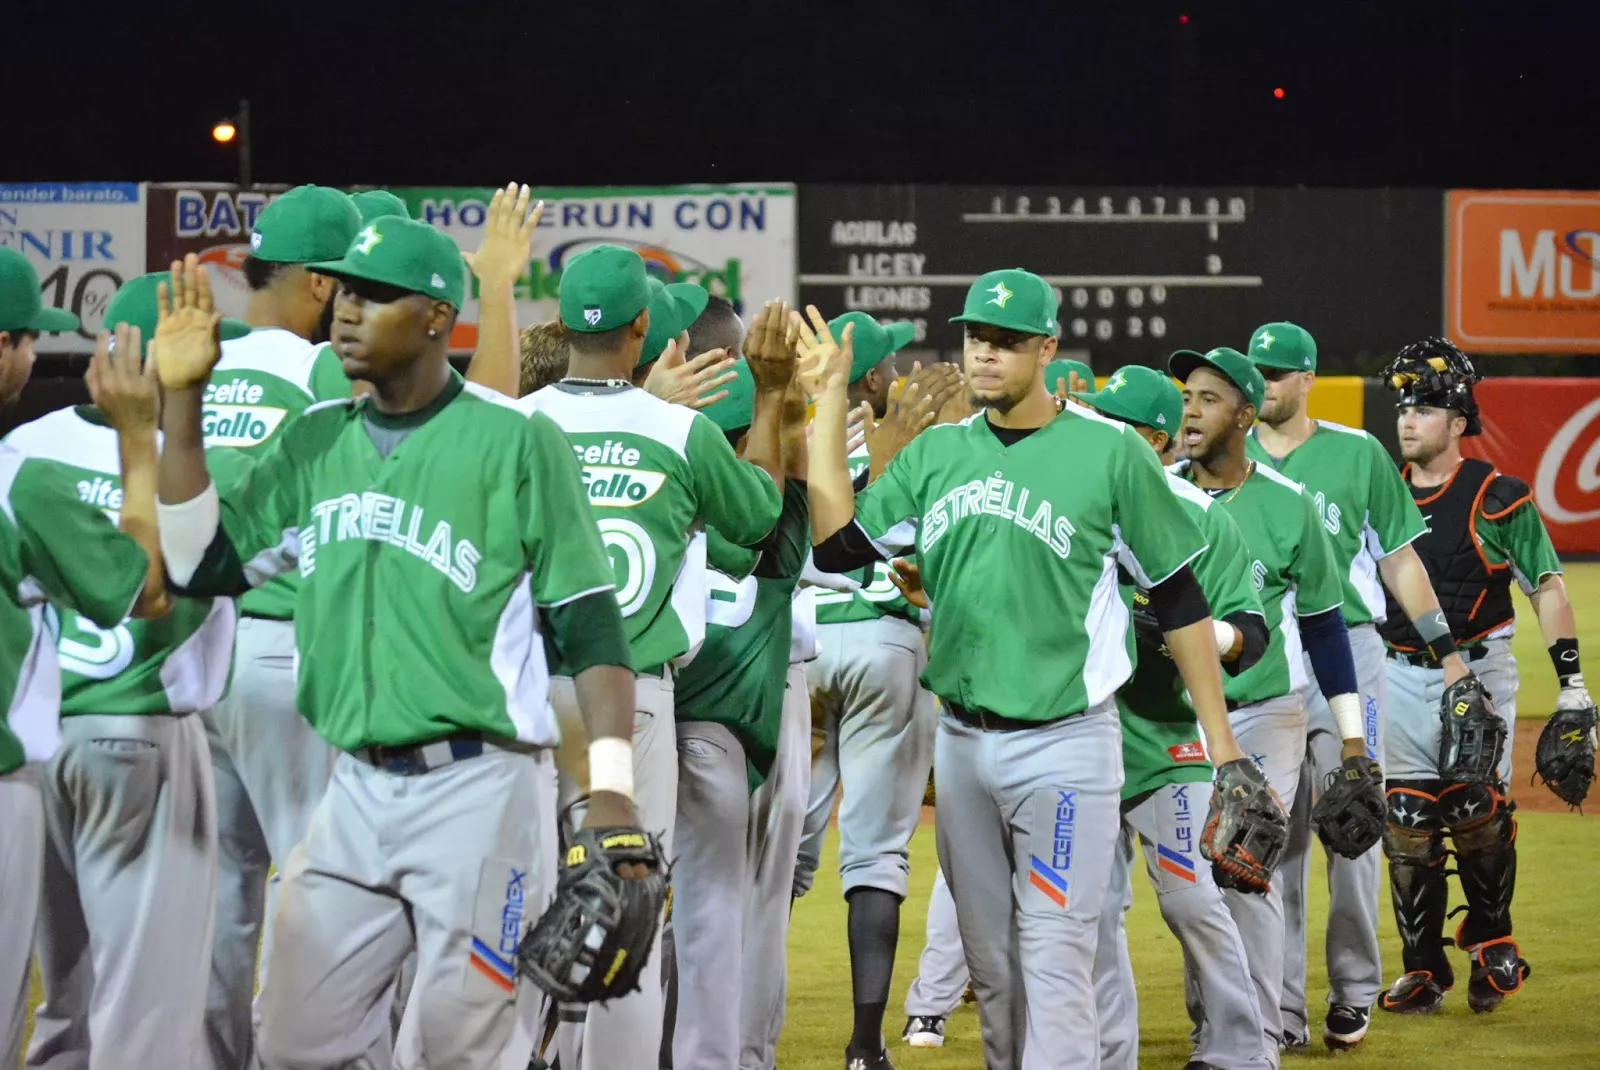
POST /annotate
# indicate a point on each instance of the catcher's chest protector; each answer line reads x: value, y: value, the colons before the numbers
x: 1475, y: 598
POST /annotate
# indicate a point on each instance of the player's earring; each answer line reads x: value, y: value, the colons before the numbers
x: 433, y: 332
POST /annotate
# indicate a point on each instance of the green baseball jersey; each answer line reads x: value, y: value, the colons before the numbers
x: 655, y: 473
x: 52, y: 546
x: 739, y: 675
x: 877, y: 596
x: 1160, y: 736
x: 1293, y: 569
x: 1362, y: 502
x: 1054, y: 514
x: 1517, y: 537
x: 423, y: 572
x: 261, y: 381
x: 177, y: 664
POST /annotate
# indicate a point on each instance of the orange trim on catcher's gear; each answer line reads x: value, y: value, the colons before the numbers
x: 1518, y: 504
x: 1472, y: 524
x: 1478, y: 956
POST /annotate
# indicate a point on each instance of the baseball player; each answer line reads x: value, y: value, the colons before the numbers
x: 655, y: 473
x: 880, y: 722
x: 543, y: 350
x: 1292, y: 564
x: 130, y: 870
x: 430, y: 524
x: 1058, y: 376
x: 54, y: 545
x: 1028, y: 765
x: 1371, y: 522
x: 269, y: 767
x: 1483, y: 531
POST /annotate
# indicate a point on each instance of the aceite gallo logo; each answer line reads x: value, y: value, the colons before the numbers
x: 233, y: 415
x: 610, y: 477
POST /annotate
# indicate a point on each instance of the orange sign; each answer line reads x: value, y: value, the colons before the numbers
x: 1522, y: 271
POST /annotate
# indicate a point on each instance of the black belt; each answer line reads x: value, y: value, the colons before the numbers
x: 418, y: 758
x: 989, y: 722
x: 658, y: 672
x: 1423, y: 660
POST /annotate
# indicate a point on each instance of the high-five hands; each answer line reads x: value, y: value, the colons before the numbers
x: 188, y: 339
x: 507, y: 244
x: 824, y: 362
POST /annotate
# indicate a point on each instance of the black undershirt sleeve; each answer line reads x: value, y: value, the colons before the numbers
x: 845, y: 550
x: 585, y: 632
x: 1178, y: 601
x: 1254, y: 629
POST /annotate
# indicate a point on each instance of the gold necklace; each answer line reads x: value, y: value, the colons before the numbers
x: 1249, y: 470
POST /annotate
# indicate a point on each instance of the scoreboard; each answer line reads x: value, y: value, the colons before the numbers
x: 1140, y: 272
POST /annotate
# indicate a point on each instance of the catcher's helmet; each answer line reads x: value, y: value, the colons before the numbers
x: 1433, y: 372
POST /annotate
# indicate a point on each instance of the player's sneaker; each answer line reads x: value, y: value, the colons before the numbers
x: 924, y: 1031
x: 879, y: 1061
x: 1294, y: 1044
x: 1415, y: 993
x: 1498, y: 970
x: 1346, y: 1026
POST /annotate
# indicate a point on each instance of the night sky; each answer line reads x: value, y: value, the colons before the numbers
x: 1471, y: 93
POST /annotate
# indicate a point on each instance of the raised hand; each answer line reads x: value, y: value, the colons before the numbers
x: 769, y: 347
x: 188, y: 339
x: 693, y: 382
x: 507, y: 244
x: 123, y: 385
x: 910, y: 412
x: 857, y: 427
x: 824, y: 362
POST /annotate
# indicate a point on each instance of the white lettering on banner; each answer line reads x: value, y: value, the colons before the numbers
x: 195, y: 214
x: 1540, y: 272
x: 997, y: 496
x: 1555, y: 459
x: 890, y: 298
x: 877, y: 265
x: 381, y: 518
x: 873, y: 232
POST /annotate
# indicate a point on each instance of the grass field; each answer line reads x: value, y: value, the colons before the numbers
x: 1546, y: 1025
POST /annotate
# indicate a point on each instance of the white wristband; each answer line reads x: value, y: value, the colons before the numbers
x: 1347, y: 716
x: 611, y: 766
x: 1226, y: 636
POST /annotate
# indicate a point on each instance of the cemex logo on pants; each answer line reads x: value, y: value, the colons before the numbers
x: 1049, y: 874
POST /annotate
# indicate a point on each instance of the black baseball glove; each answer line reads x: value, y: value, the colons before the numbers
x: 593, y: 943
x: 1473, y: 737
x: 1145, y: 626
x: 1564, y: 759
x: 1246, y: 829
x: 1349, y: 817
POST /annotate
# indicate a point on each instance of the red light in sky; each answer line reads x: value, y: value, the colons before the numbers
x: 1183, y: 20
x: 1278, y: 92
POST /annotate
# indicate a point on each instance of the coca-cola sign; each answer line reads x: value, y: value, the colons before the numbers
x: 1547, y: 431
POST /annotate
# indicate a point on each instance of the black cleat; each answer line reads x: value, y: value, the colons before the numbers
x: 1294, y: 1044
x: 1498, y: 970
x: 1415, y: 993
x: 879, y: 1061
x: 924, y: 1031
x: 1346, y: 1026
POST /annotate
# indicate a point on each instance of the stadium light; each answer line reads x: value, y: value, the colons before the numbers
x: 235, y: 129
x: 1278, y: 92
x: 224, y: 131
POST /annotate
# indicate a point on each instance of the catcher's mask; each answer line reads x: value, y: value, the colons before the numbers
x: 1434, y: 373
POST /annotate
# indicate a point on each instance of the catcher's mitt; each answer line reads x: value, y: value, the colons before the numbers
x: 1564, y: 759
x: 593, y: 943
x: 1473, y: 737
x: 1350, y: 815
x: 1246, y: 828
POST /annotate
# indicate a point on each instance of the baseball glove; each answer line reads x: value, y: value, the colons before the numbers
x: 1145, y: 626
x: 1350, y: 815
x: 593, y: 943
x: 1473, y: 737
x: 1564, y: 759
x: 1246, y: 828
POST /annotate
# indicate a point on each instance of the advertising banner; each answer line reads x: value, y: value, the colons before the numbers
x: 738, y: 241
x: 213, y: 221
x: 84, y: 239
x: 1547, y: 433
x: 1141, y: 271
x: 1522, y: 271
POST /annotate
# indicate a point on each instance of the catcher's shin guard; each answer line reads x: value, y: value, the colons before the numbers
x: 1413, y: 840
x: 1484, y: 831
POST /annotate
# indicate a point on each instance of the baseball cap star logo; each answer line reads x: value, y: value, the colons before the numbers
x: 1264, y: 340
x: 367, y: 239
x: 1002, y: 294
x: 1118, y: 381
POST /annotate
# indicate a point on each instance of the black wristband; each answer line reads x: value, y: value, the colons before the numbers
x: 1442, y: 647
x: 1564, y: 656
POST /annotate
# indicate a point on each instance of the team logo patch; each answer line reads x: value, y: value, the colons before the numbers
x: 591, y: 316
x: 1047, y: 880
x: 1175, y: 863
x: 1056, y: 817
x: 1193, y: 751
x: 1002, y: 294
x: 1371, y: 725
x: 367, y: 239
x: 497, y: 924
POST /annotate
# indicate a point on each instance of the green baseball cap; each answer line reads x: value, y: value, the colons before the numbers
x: 1231, y: 364
x: 135, y: 304
x: 21, y: 307
x: 872, y: 341
x: 305, y: 225
x: 1285, y: 346
x: 738, y: 409
x: 1012, y: 298
x: 673, y: 306
x: 406, y: 254
x: 602, y: 288
x: 377, y: 203
x: 1138, y: 395
x: 1060, y: 371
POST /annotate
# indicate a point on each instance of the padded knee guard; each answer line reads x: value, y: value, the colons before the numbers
x: 1413, y: 841
x: 1483, y: 829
